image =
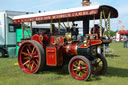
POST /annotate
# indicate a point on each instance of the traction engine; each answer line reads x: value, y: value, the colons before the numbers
x: 45, y: 50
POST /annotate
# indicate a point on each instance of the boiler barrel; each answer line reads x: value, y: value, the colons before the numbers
x: 77, y: 49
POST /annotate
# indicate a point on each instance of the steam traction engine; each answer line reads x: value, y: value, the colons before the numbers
x: 57, y: 49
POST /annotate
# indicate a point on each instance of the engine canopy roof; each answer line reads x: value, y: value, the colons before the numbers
x: 72, y: 14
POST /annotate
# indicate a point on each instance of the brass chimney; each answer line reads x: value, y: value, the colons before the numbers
x: 86, y: 2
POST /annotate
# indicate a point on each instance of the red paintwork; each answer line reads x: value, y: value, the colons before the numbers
x: 59, y: 55
x: 73, y: 49
x: 95, y: 42
x: 45, y: 40
x: 84, y: 46
x: 90, y: 42
x: 61, y: 40
x: 54, y: 56
x: 56, y: 40
x: 51, y: 56
x: 37, y: 38
x: 52, y: 40
x: 57, y: 16
x: 56, y: 48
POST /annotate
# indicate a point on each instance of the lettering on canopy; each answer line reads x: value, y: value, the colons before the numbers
x: 57, y: 16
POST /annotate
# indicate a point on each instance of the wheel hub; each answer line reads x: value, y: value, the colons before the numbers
x: 78, y: 69
x: 30, y: 57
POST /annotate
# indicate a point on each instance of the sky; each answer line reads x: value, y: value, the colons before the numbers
x: 48, y: 5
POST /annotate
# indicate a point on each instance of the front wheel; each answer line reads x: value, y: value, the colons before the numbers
x: 99, y: 66
x: 79, y: 67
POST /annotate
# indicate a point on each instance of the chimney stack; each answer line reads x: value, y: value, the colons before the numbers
x: 86, y: 2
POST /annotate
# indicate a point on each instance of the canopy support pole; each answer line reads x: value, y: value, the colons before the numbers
x: 94, y: 22
x: 59, y: 26
x: 85, y: 26
x: 101, y: 24
x: 22, y: 26
x: 109, y: 25
x: 31, y: 27
x: 51, y: 27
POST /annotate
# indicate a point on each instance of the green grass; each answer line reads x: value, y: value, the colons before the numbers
x: 117, y: 73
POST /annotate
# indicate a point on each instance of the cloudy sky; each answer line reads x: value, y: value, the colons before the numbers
x: 47, y: 5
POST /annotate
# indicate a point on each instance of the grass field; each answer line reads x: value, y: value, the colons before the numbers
x: 117, y: 73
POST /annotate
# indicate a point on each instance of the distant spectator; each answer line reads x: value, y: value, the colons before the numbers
x: 74, y: 31
x: 125, y: 41
x: 127, y: 38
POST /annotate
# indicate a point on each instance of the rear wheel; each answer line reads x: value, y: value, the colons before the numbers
x: 2, y: 53
x: 79, y: 67
x: 100, y: 65
x: 31, y: 57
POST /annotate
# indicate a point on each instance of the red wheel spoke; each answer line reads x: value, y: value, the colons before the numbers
x: 24, y: 53
x: 75, y: 69
x: 36, y: 56
x: 79, y: 63
x: 34, y: 62
x: 37, y: 61
x: 33, y: 50
x: 32, y: 67
x: 26, y: 58
x: 29, y: 64
x: 26, y: 62
x: 28, y: 51
x: 84, y: 68
x: 81, y: 74
x: 74, y: 65
x: 84, y: 71
x: 29, y: 48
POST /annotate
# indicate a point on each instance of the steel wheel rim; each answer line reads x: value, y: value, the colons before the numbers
x: 29, y: 60
x: 98, y: 66
x: 79, y: 69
